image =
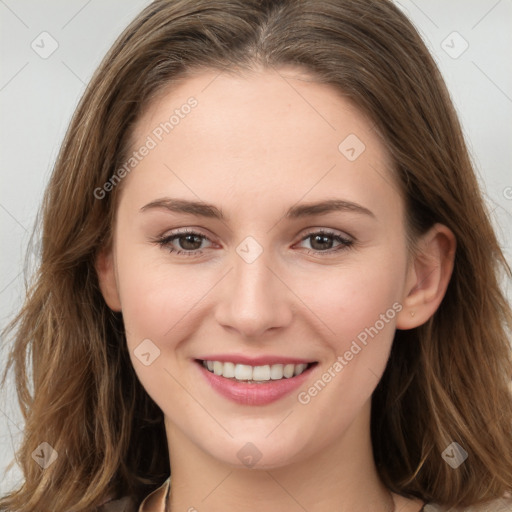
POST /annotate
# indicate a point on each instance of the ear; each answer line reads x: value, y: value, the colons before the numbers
x: 428, y: 275
x: 105, y: 269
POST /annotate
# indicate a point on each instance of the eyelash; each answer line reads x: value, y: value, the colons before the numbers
x: 165, y: 241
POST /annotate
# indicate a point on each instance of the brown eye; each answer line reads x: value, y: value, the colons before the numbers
x: 326, y: 242
x: 321, y: 242
x: 186, y: 242
x: 189, y: 242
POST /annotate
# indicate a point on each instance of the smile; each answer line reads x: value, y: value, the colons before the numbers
x: 254, y: 385
x: 259, y: 374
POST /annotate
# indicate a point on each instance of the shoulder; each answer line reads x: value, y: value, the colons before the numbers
x: 500, y: 505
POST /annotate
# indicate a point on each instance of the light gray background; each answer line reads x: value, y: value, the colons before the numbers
x: 38, y: 96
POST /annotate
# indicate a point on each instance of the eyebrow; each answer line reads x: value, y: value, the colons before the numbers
x: 202, y: 209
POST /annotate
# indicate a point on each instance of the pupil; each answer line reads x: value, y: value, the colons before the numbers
x: 190, y: 240
x: 322, y: 239
x: 193, y: 242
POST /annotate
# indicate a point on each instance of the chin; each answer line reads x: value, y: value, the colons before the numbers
x: 259, y: 452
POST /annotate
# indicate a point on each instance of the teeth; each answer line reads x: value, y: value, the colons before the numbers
x: 244, y: 372
x: 289, y: 370
x: 261, y: 373
x: 276, y: 371
x: 299, y: 368
x: 228, y: 370
x: 217, y: 368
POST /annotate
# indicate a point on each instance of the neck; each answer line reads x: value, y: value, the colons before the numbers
x: 341, y: 477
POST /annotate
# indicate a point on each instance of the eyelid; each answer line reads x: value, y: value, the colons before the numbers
x: 168, y: 237
x: 189, y: 230
x: 327, y: 231
x: 346, y: 241
x: 310, y: 231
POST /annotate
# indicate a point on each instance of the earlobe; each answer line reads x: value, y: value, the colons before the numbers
x: 428, y: 277
x: 105, y: 270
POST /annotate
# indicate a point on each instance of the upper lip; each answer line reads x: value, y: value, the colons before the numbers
x: 254, y: 361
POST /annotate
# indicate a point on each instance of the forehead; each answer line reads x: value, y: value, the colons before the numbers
x: 254, y: 106
x: 274, y: 132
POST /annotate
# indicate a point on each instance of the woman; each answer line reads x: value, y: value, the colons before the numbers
x: 267, y: 270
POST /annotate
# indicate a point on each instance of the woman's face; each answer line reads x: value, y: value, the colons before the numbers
x: 296, y: 253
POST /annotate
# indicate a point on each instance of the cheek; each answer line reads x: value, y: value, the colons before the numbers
x: 157, y: 299
x: 358, y: 307
x: 349, y: 300
x: 159, y: 303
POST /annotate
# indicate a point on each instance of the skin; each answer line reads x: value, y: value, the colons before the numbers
x: 256, y: 144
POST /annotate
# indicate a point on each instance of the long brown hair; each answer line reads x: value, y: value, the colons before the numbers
x: 446, y: 381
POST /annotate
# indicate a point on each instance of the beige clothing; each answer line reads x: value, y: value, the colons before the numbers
x: 155, y: 502
x: 502, y: 505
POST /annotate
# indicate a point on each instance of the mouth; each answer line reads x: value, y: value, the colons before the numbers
x: 248, y: 374
x: 254, y: 385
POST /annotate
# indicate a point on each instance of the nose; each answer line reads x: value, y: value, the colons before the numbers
x: 253, y: 299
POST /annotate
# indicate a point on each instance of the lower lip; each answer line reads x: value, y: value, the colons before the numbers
x: 254, y: 394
